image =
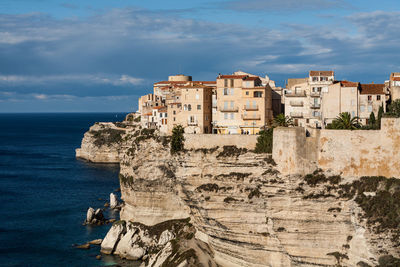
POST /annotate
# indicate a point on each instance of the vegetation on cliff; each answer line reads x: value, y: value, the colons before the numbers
x: 106, y: 136
x: 177, y: 139
x: 344, y: 122
x: 264, y: 141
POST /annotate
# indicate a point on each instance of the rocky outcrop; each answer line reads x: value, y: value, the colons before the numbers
x: 113, y: 201
x: 94, y: 217
x: 170, y: 243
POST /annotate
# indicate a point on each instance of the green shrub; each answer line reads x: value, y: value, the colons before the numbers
x: 394, y: 109
x: 264, y: 141
x: 177, y: 139
x: 106, y: 136
x: 231, y: 151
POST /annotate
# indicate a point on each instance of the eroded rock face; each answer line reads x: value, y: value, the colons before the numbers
x: 244, y: 209
x: 113, y: 237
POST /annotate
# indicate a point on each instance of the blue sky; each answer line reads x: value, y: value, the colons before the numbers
x: 78, y: 56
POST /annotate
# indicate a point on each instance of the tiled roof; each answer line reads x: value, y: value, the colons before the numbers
x: 232, y: 76
x: 148, y: 114
x: 184, y: 82
x: 372, y: 89
x: 348, y: 84
x: 395, y: 78
x: 159, y: 107
x: 321, y: 73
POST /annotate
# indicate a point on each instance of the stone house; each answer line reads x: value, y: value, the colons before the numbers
x: 243, y: 105
x: 302, y: 98
x: 371, y: 97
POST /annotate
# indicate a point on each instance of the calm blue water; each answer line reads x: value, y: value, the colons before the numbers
x: 45, y: 191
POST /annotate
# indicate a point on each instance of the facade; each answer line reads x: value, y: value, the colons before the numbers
x: 193, y: 109
x: 147, y: 102
x: 243, y: 106
x: 371, y: 98
x: 394, y: 85
x: 303, y: 98
x: 158, y: 119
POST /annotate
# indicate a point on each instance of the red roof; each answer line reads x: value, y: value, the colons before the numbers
x: 159, y: 107
x: 184, y: 82
x: 372, y: 89
x: 348, y: 84
x: 395, y: 78
x: 232, y: 76
x: 321, y: 73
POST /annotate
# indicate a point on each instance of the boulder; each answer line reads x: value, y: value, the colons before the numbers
x: 165, y: 237
x: 127, y: 241
x: 135, y: 253
x: 96, y: 242
x: 113, y: 201
x: 89, y: 215
x: 94, y: 217
x: 84, y: 246
x: 113, y: 236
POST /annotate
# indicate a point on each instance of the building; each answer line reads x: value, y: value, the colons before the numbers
x: 393, y: 85
x: 302, y: 98
x: 147, y: 102
x: 371, y: 97
x: 191, y: 107
x: 243, y: 105
x: 158, y: 119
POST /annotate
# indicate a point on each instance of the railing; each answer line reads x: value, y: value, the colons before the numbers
x: 296, y: 103
x: 250, y: 107
x: 251, y: 117
x: 315, y: 105
x: 192, y: 123
x: 296, y: 114
x: 298, y: 94
x: 315, y: 94
x: 229, y: 109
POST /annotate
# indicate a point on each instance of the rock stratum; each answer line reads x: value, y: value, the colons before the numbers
x: 242, y: 211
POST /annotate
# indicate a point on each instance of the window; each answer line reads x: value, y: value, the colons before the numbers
x: 247, y: 84
x: 185, y: 107
x: 225, y: 116
x: 232, y: 91
x: 174, y: 118
x: 352, y: 102
x: 378, y: 97
x: 307, y: 120
x: 174, y: 112
x: 197, y: 96
x: 226, y: 92
x: 189, y: 107
x: 396, y: 83
x: 226, y: 82
x: 257, y: 94
x: 232, y: 116
x: 362, y: 108
x: 369, y: 108
x: 225, y: 105
x: 198, y: 107
x: 369, y: 97
x: 165, y: 115
x: 324, y: 79
x: 232, y: 104
x: 353, y: 114
x: 160, y: 115
x: 231, y: 82
x: 247, y: 92
x: 315, y: 79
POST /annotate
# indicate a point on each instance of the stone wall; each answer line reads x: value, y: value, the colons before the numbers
x: 348, y: 153
x: 196, y: 141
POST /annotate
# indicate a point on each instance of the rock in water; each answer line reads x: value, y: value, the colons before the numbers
x: 84, y: 246
x: 89, y: 215
x: 165, y: 237
x: 99, y: 215
x: 96, y: 242
x: 113, y: 201
x: 113, y: 236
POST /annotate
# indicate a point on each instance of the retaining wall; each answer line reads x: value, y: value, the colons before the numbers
x: 196, y: 141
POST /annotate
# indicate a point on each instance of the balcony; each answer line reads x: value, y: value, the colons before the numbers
x: 250, y: 107
x: 315, y: 94
x: 315, y: 115
x: 296, y: 94
x: 296, y: 114
x: 296, y: 103
x: 251, y: 117
x: 315, y: 105
x: 229, y: 109
x: 192, y: 123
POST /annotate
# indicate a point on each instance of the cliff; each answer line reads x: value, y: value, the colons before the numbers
x: 249, y: 214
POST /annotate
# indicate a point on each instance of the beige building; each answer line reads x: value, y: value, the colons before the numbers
x: 243, y: 105
x: 371, y: 97
x: 303, y: 98
x: 394, y: 85
x: 147, y: 102
x: 158, y: 119
x: 191, y: 107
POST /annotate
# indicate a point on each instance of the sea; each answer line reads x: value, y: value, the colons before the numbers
x: 45, y: 191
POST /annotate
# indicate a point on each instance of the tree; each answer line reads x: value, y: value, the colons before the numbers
x: 345, y: 121
x: 394, y: 108
x: 264, y: 141
x: 177, y: 140
x: 380, y: 114
x: 372, y: 121
x: 282, y: 121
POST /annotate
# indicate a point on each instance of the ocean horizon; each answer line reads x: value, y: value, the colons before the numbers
x: 45, y: 191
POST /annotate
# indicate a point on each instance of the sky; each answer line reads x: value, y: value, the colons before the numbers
x: 100, y: 56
